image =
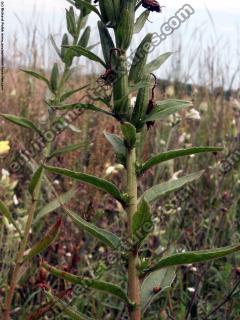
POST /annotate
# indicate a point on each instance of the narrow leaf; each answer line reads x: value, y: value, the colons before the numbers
x: 142, y: 223
x: 86, y: 53
x: 156, y: 63
x: 35, y: 181
x: 66, y: 309
x: 104, y: 236
x: 118, y: 146
x: 195, y: 256
x: 140, y: 22
x: 173, y: 154
x: 55, y: 204
x: 71, y: 92
x: 55, y: 46
x: 22, y: 122
x: 164, y: 188
x: 154, y: 284
x: 70, y: 148
x: 84, y: 107
x: 129, y: 133
x: 44, y: 243
x: 106, y: 43
x: 89, y: 283
x: 99, y: 183
x: 37, y: 76
x: 166, y: 108
x: 54, y: 78
x: 6, y: 213
x: 83, y: 41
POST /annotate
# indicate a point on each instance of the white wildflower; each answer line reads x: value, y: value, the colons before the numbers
x: 15, y: 200
x: 191, y: 289
x: 193, y: 114
x: 5, y: 173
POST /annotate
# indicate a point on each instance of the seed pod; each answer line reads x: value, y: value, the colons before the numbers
x: 107, y: 12
x: 141, y: 105
x: 83, y: 42
x: 117, y: 9
x: 120, y: 89
x: 125, y: 26
x: 139, y: 61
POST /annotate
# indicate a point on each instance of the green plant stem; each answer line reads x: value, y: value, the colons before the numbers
x: 19, y: 259
x: 133, y: 278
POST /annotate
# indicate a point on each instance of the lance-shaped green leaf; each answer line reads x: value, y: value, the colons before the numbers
x: 136, y: 72
x: 54, y: 78
x: 103, y: 286
x: 80, y: 51
x: 194, y: 257
x: 44, y: 243
x: 36, y: 181
x: 71, y: 22
x: 156, y: 63
x: 6, y: 213
x: 58, y: 51
x: 140, y: 22
x: 173, y: 154
x: 70, y: 148
x: 104, y: 236
x: 99, y: 183
x: 106, y: 43
x: 154, y: 284
x: 22, y: 122
x: 66, y: 309
x: 71, y: 92
x: 118, y: 146
x: 129, y: 133
x: 37, y: 76
x: 142, y: 223
x: 55, y: 204
x: 166, y: 108
x: 83, y: 107
x: 164, y: 188
x: 83, y: 41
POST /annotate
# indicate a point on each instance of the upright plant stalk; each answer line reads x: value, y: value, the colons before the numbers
x: 133, y: 278
x: 19, y: 258
x: 56, y: 85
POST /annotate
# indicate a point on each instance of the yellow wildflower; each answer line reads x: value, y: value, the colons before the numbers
x: 4, y: 147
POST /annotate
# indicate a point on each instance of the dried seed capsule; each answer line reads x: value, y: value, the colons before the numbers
x: 139, y: 61
x: 125, y: 26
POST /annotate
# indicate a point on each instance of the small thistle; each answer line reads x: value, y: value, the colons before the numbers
x: 151, y: 5
x: 151, y: 103
x: 109, y: 76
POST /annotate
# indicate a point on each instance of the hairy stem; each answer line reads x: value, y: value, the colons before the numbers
x: 133, y: 278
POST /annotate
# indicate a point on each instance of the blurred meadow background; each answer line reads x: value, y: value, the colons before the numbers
x: 205, y: 68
